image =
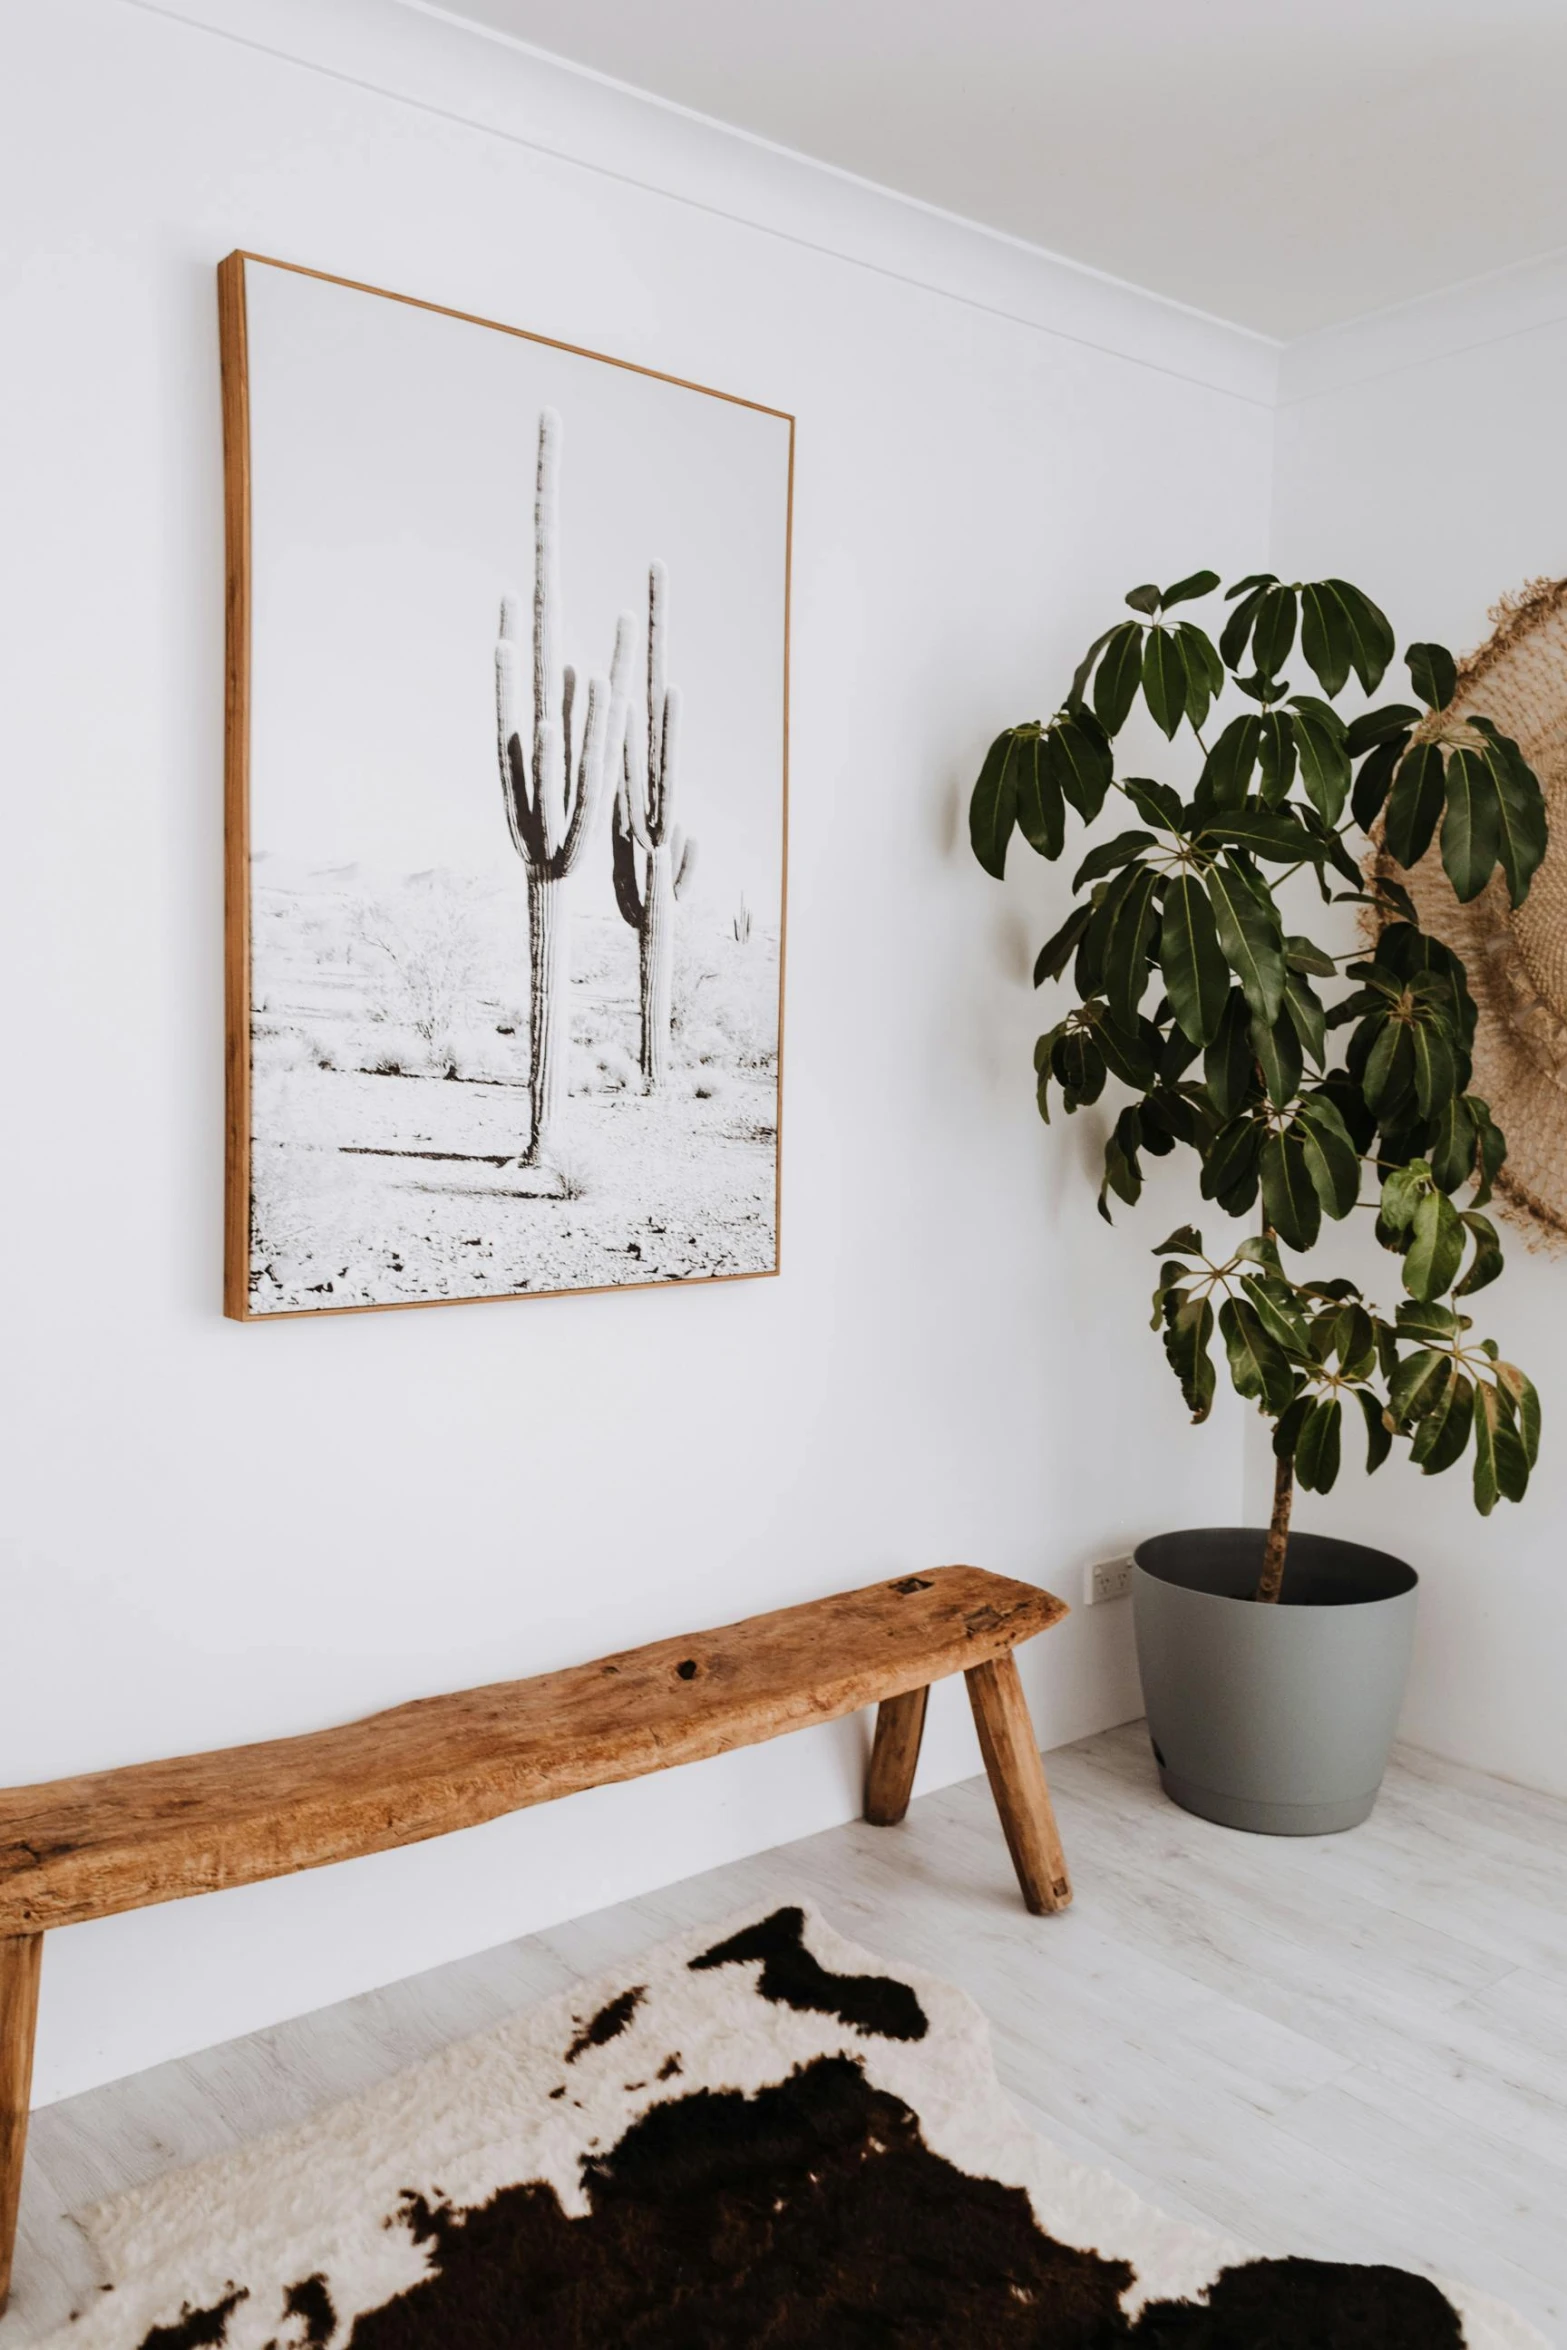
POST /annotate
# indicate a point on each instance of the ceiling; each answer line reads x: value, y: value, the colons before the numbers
x: 1281, y: 163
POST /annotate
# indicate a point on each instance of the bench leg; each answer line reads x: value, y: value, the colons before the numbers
x: 900, y: 1725
x: 1017, y: 1781
x: 19, y: 1966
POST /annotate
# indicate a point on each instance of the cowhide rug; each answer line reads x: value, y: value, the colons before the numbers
x: 759, y: 2136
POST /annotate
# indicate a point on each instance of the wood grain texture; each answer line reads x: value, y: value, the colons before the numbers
x: 234, y: 349
x: 1017, y: 1781
x: 900, y: 1725
x: 236, y: 786
x: 20, y: 1960
x: 86, y: 1847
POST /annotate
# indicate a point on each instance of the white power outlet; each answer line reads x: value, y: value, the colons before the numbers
x: 1107, y: 1579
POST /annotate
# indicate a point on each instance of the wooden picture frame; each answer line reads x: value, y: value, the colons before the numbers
x: 559, y: 790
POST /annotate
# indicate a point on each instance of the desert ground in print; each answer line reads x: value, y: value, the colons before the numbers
x: 390, y: 1060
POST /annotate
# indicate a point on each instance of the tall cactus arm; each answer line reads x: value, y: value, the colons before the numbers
x: 682, y: 853
x: 516, y: 786
x: 590, y: 779
x: 547, y: 682
x: 634, y: 793
x: 668, y: 748
x: 657, y: 677
x: 624, y: 854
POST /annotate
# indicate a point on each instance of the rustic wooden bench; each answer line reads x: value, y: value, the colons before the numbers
x: 73, y: 1849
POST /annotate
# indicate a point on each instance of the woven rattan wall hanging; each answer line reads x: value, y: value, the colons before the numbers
x: 1517, y: 959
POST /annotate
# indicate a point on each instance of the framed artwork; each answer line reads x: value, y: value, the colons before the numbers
x: 507, y: 746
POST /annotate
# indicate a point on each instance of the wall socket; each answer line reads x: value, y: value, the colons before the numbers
x: 1107, y: 1579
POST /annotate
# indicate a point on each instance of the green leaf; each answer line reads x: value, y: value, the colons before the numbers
x: 1131, y: 915
x: 1123, y: 1173
x: 1371, y: 643
x: 1300, y: 954
x: 1390, y: 1071
x: 1251, y: 941
x: 1324, y: 758
x: 1332, y: 1161
x: 1354, y: 1340
x: 1078, y: 1067
x: 1471, y: 827
x: 1453, y: 1145
x: 1415, y: 804
x: 1436, y: 1070
x: 1263, y: 832
x: 1275, y: 1300
x: 1288, y: 1193
x: 1058, y: 950
x: 1487, y: 1257
x: 1110, y: 855
x: 1237, y: 629
x: 1402, y: 1191
x: 993, y: 808
x: 1491, y: 1144
x: 1307, y: 1016
x: 1274, y: 631
x: 1436, y: 1248
x: 1520, y: 809
x: 1185, y: 1240
x: 1317, y: 1446
x: 1258, y: 1367
x: 1276, y: 752
x: 1229, y: 1065
x: 1130, y: 1054
x: 1379, y: 1437
x: 1164, y: 680
x: 1074, y: 699
x: 1186, y: 1343
x: 1526, y: 1404
x: 1143, y: 599
x: 1230, y: 1165
x: 1442, y: 1436
x: 1196, y: 976
x: 1416, y: 1385
x: 1371, y: 784
x: 1199, y: 659
x: 1227, y: 770
x: 1278, y: 1054
x: 1433, y: 673
x: 1391, y: 723
x: 1501, y: 1469
x: 1200, y: 583
x: 1155, y: 802
x: 1083, y: 762
x: 1041, y: 812
x: 1324, y: 637
x: 1119, y: 675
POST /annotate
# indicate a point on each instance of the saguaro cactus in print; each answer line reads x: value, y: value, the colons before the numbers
x: 653, y: 859
x: 552, y: 781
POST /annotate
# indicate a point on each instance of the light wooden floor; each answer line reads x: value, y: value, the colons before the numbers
x: 1351, y: 2046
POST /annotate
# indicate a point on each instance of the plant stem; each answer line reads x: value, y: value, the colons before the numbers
x: 1278, y: 1532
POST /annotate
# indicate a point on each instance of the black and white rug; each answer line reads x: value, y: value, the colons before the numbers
x: 757, y: 2136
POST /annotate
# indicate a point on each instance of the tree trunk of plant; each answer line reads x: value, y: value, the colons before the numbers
x: 1277, y: 1543
x: 550, y: 1013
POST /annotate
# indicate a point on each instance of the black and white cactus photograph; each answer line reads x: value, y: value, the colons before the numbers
x: 515, y: 726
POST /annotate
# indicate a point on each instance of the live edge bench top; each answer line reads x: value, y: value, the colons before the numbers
x: 73, y: 1849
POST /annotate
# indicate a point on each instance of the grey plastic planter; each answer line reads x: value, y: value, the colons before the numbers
x: 1278, y: 1719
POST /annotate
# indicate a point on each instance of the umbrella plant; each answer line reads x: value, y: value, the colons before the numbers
x: 1310, y: 1084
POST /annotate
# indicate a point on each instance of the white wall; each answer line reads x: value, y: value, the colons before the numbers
x: 1422, y: 455
x: 216, y: 1533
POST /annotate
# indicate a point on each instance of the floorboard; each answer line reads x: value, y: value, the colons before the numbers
x: 1350, y: 2046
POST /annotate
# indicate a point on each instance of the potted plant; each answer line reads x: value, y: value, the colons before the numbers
x: 1310, y: 1083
